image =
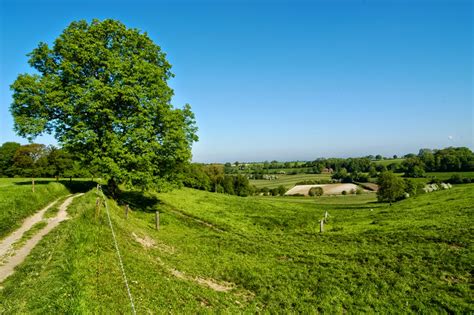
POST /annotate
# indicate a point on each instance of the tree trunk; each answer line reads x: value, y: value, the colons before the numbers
x: 112, y: 187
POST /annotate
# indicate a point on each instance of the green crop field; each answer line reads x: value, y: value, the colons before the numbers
x: 447, y: 175
x: 288, y: 180
x: 221, y: 253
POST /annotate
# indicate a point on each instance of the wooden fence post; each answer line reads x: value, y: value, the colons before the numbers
x: 126, y: 211
x: 157, y: 220
x: 321, y: 226
x: 33, y: 184
x: 97, y: 207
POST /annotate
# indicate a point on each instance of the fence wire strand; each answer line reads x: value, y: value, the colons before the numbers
x: 132, y: 305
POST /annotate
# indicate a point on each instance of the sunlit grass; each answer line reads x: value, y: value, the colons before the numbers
x: 412, y: 256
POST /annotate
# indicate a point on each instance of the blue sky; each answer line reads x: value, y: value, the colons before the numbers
x: 287, y: 80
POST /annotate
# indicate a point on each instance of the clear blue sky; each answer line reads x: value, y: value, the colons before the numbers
x: 290, y: 80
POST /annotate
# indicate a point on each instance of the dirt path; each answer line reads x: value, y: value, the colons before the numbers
x: 19, y: 255
x: 5, y: 244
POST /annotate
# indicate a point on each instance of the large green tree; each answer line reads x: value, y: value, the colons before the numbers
x: 102, y: 91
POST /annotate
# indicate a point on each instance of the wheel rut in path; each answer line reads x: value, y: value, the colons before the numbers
x: 18, y: 256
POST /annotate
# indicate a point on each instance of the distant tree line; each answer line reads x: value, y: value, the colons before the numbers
x: 445, y: 160
x: 212, y: 178
x: 350, y: 164
x: 348, y: 169
x: 38, y: 160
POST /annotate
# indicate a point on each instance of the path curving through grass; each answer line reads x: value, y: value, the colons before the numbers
x: 14, y: 257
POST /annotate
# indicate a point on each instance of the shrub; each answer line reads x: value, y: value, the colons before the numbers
x: 455, y: 179
x: 281, y: 190
x: 344, y: 192
x: 315, y: 191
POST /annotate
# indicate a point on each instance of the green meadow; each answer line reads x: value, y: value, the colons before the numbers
x: 222, y: 253
x: 18, y: 201
x: 389, y: 161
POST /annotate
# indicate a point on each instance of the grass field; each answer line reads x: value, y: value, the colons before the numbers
x: 288, y: 180
x: 220, y: 253
x: 447, y: 175
x: 17, y: 201
x: 388, y: 162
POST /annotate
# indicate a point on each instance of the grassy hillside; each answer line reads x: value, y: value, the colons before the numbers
x: 225, y: 253
x: 288, y: 180
x: 17, y: 201
x: 389, y: 161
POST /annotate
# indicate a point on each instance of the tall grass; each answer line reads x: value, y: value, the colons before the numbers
x: 17, y: 201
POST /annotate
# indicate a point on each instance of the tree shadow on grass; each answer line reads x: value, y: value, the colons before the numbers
x: 138, y: 201
x: 37, y: 182
x: 75, y: 186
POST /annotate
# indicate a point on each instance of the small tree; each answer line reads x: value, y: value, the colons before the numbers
x: 340, y: 174
x: 242, y: 186
x: 414, y: 167
x: 30, y: 160
x: 281, y: 190
x: 315, y: 191
x: 228, y: 184
x: 372, y: 171
x: 391, y: 187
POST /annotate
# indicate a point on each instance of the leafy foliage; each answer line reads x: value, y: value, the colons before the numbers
x: 315, y: 191
x: 39, y: 160
x: 391, y: 187
x: 212, y: 178
x: 7, y: 153
x: 102, y: 91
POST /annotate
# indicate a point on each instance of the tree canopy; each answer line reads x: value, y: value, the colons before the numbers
x: 391, y: 187
x: 102, y: 91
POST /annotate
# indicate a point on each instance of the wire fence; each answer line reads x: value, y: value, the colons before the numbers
x: 132, y: 305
